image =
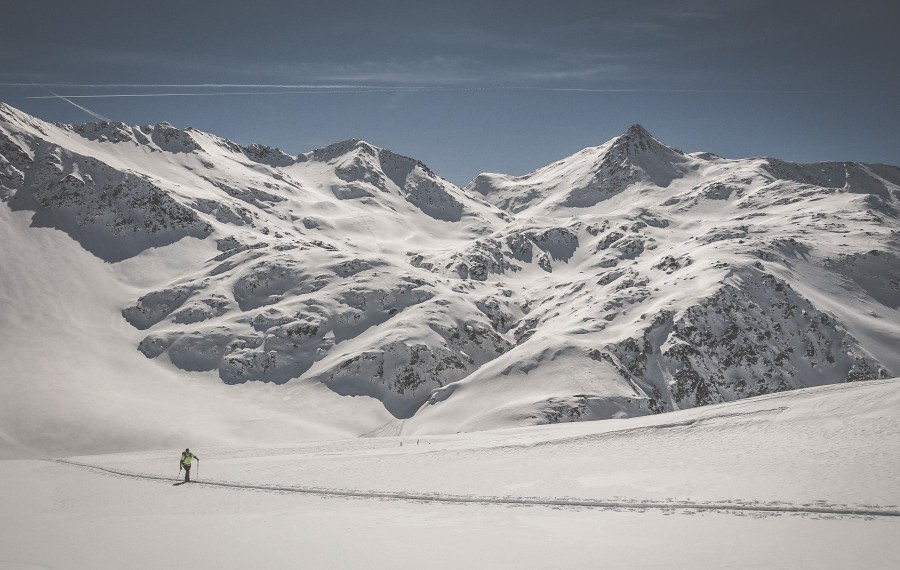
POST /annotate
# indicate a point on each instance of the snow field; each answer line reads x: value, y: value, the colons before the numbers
x: 756, y: 483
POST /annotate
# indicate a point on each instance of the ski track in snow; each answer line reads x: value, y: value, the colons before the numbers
x: 818, y: 508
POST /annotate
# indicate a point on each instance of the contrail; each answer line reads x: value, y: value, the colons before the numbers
x: 666, y: 90
x: 85, y: 109
x: 202, y: 85
x: 230, y: 93
x: 331, y: 91
x: 302, y: 89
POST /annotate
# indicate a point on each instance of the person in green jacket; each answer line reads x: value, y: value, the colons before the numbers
x: 185, y: 463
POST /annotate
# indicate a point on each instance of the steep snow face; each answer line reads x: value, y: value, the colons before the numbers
x: 627, y: 279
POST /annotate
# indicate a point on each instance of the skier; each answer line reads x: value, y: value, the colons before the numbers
x: 185, y: 463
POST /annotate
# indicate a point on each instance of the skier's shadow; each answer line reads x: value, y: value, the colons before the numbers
x: 179, y: 483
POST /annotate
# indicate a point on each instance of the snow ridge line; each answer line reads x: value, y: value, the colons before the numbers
x: 862, y: 511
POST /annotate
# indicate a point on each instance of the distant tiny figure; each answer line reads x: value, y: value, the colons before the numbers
x: 185, y: 463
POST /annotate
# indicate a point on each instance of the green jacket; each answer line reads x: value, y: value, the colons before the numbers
x: 186, y: 459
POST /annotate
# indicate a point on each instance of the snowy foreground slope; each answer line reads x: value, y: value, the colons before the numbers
x: 158, y: 281
x: 801, y: 479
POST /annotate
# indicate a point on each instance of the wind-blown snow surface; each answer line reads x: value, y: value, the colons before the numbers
x: 158, y: 281
x: 769, y: 482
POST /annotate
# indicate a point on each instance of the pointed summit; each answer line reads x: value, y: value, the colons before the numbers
x: 636, y: 131
x: 637, y: 140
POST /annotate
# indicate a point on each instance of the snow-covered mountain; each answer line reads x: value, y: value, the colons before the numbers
x: 628, y: 279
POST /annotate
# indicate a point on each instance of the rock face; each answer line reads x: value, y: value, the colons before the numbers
x: 627, y: 279
x: 755, y: 335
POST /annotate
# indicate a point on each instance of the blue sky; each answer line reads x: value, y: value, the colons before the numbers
x: 473, y: 86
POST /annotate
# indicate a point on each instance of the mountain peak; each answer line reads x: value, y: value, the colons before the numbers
x: 637, y: 131
x: 637, y: 134
x: 637, y: 140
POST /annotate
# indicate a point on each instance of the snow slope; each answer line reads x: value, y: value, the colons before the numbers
x: 801, y: 479
x: 72, y: 380
x: 161, y: 281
